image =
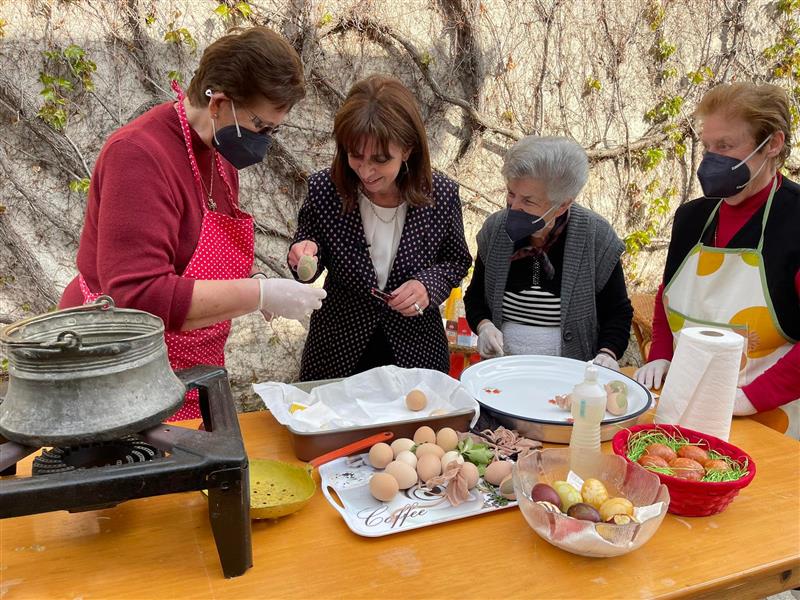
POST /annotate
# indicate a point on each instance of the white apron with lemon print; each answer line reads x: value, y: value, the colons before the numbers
x: 726, y: 287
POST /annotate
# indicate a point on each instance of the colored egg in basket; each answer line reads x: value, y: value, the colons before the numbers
x: 690, y: 495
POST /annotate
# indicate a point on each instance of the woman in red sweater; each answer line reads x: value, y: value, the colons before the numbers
x: 163, y: 231
x: 734, y: 256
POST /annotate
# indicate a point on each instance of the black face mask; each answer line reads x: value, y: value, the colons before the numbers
x: 240, y: 147
x: 722, y: 176
x: 520, y: 225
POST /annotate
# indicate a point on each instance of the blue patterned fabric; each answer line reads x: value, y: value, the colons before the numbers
x: 432, y: 250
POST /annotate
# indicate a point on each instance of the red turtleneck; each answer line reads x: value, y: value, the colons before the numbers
x: 779, y: 384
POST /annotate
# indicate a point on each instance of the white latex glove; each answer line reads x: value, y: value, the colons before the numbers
x: 490, y: 340
x: 604, y: 360
x: 652, y: 374
x: 288, y: 298
x: 742, y: 405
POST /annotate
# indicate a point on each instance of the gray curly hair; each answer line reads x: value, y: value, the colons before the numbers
x: 561, y: 163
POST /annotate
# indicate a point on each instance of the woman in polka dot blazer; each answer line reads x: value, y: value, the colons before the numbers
x: 390, y: 234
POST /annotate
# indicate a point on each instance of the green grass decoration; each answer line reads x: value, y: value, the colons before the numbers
x: 639, y: 441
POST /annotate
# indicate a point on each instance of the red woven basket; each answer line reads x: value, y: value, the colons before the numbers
x: 694, y: 498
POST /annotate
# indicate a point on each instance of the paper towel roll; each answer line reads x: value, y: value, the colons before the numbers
x: 701, y: 384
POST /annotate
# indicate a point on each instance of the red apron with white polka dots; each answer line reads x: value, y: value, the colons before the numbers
x: 224, y: 251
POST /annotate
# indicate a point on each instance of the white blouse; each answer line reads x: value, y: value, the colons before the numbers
x: 382, y: 228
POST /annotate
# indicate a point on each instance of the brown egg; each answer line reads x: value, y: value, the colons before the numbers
x: 425, y: 435
x: 470, y: 472
x: 716, y: 465
x: 427, y: 448
x: 447, y: 438
x: 497, y: 471
x: 405, y: 475
x: 401, y: 444
x: 686, y: 468
x: 380, y: 455
x: 665, y: 452
x: 416, y: 400
x: 428, y: 466
x: 383, y: 487
x: 694, y: 452
x: 651, y: 460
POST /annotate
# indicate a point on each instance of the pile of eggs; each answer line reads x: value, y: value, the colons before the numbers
x: 590, y: 503
x: 407, y: 461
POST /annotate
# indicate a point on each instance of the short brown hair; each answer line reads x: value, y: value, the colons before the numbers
x: 764, y: 107
x: 247, y: 64
x: 382, y: 108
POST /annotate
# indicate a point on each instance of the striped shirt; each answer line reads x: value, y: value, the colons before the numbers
x: 533, y: 306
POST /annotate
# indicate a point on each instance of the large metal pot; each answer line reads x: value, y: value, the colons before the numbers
x: 85, y: 374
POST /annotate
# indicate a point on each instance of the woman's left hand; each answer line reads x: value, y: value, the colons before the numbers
x: 410, y: 299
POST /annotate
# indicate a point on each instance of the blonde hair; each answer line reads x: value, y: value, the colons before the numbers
x: 765, y: 108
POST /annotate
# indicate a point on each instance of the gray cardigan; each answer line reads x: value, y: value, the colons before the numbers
x: 591, y: 252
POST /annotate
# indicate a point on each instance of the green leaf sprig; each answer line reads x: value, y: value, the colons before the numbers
x: 478, y: 454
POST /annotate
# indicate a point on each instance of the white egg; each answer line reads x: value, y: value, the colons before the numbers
x: 404, y: 473
x: 451, y: 456
x: 401, y: 444
x: 408, y: 457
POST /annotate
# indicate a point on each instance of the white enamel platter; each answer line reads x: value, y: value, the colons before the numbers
x: 515, y: 390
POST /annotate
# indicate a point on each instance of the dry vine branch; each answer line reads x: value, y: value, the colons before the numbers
x: 384, y: 36
x: 67, y: 154
x: 46, y: 295
x: 34, y: 206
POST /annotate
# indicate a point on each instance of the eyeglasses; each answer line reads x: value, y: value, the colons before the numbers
x: 260, y: 125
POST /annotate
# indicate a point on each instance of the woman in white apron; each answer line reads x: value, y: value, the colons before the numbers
x: 734, y: 256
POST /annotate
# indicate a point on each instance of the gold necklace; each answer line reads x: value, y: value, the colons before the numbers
x: 375, y: 212
x: 209, y: 190
x: 380, y: 218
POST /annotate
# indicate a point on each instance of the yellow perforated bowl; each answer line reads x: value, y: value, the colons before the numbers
x: 278, y: 489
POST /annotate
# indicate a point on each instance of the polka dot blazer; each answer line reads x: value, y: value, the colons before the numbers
x: 432, y: 250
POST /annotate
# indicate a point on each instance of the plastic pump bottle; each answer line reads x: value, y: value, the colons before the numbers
x: 588, y: 409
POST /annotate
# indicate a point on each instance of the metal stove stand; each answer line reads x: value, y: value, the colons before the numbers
x: 213, y: 459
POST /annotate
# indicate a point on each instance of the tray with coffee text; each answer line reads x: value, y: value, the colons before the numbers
x: 345, y: 484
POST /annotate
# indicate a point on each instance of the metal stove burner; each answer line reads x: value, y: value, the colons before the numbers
x: 125, y: 451
x: 213, y: 459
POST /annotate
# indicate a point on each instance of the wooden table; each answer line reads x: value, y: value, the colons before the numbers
x: 162, y: 548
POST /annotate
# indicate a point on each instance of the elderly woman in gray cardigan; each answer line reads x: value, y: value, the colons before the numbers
x: 548, y: 278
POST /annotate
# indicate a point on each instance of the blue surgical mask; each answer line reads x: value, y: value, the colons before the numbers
x: 520, y: 225
x: 722, y: 176
x: 240, y: 147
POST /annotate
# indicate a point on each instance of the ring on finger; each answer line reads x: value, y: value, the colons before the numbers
x: 417, y: 308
